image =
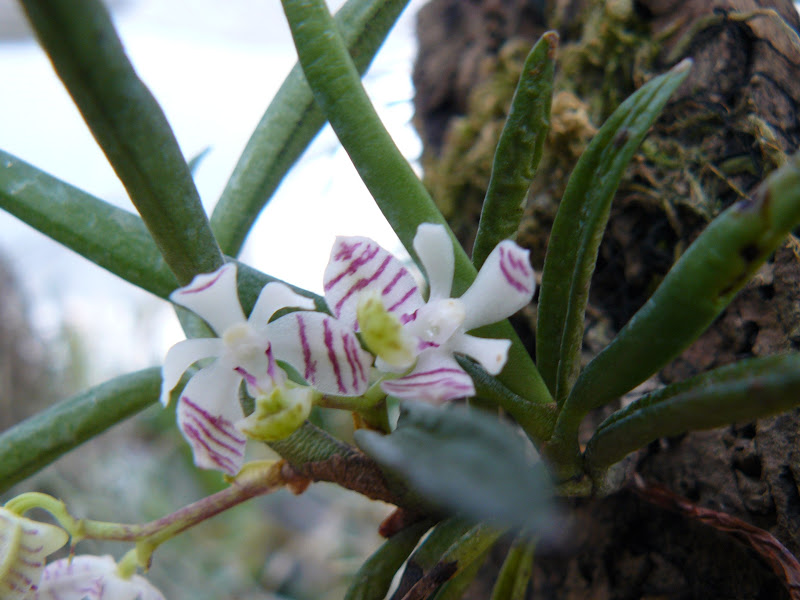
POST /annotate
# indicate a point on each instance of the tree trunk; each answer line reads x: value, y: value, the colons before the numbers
x: 731, y: 122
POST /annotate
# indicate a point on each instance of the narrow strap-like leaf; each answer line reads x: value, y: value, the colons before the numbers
x: 578, y: 229
x: 108, y: 236
x: 397, y: 190
x: 512, y: 581
x: 742, y: 392
x: 290, y: 123
x: 457, y: 586
x: 36, y: 442
x: 694, y: 292
x: 374, y: 577
x: 130, y: 127
x: 519, y: 150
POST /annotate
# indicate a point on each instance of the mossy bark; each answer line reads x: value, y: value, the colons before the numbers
x: 732, y: 121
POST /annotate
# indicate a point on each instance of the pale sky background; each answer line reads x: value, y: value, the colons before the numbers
x: 214, y: 68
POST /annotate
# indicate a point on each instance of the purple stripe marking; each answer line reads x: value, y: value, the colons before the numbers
x: 247, y: 377
x: 346, y: 250
x: 400, y: 274
x: 217, y: 422
x: 364, y: 258
x: 422, y: 345
x: 362, y: 283
x: 205, y: 286
x: 332, y: 356
x: 407, y: 295
x: 310, y: 365
x: 351, y: 360
x: 449, y: 382
x: 209, y: 436
x: 431, y: 372
x: 508, y: 276
x: 223, y: 462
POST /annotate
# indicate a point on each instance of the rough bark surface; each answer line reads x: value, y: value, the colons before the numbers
x: 732, y: 121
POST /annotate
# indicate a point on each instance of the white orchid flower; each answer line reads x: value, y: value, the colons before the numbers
x: 369, y: 289
x: 324, y: 351
x: 24, y: 545
x: 86, y: 577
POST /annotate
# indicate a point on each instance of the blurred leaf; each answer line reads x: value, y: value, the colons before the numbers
x: 738, y: 393
x: 194, y: 162
x: 519, y: 150
x: 290, y: 123
x: 375, y: 576
x: 464, y: 461
x: 579, y: 225
x: 36, y: 442
x: 129, y: 126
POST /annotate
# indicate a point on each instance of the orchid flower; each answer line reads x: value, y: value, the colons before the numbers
x: 87, y: 577
x: 324, y: 351
x: 24, y: 545
x: 369, y: 289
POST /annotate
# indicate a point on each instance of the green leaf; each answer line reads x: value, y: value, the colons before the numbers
x: 290, y: 123
x: 36, y: 442
x: 373, y: 579
x: 129, y: 126
x: 694, y: 292
x: 397, y: 190
x: 578, y: 230
x: 463, y: 461
x: 519, y: 150
x: 738, y: 393
x: 108, y: 236
x: 481, y: 541
x: 512, y: 581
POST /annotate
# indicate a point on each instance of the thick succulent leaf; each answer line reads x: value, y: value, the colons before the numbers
x: 290, y: 123
x: 504, y: 285
x: 36, y: 442
x: 464, y: 461
x: 745, y: 391
x: 207, y: 411
x: 519, y: 149
x: 579, y: 225
x: 436, y: 378
x: 129, y: 126
x: 323, y: 350
x: 358, y: 264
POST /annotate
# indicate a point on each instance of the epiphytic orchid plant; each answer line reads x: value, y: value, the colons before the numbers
x: 261, y: 355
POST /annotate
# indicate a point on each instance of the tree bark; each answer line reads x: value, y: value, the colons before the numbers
x: 732, y: 121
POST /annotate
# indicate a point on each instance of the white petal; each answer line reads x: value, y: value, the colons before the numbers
x: 92, y: 578
x: 323, y: 350
x: 207, y: 411
x: 272, y: 298
x: 182, y: 356
x: 214, y: 297
x: 435, y: 250
x: 504, y: 284
x: 357, y: 264
x: 491, y: 354
x: 436, y: 378
x: 24, y: 545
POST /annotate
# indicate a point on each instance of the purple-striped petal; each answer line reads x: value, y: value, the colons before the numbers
x: 86, y: 577
x: 358, y: 264
x: 504, y: 284
x: 491, y: 354
x: 435, y: 250
x: 208, y: 409
x: 323, y: 350
x: 182, y: 356
x: 436, y: 378
x: 24, y: 546
x: 214, y: 297
x: 273, y: 297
